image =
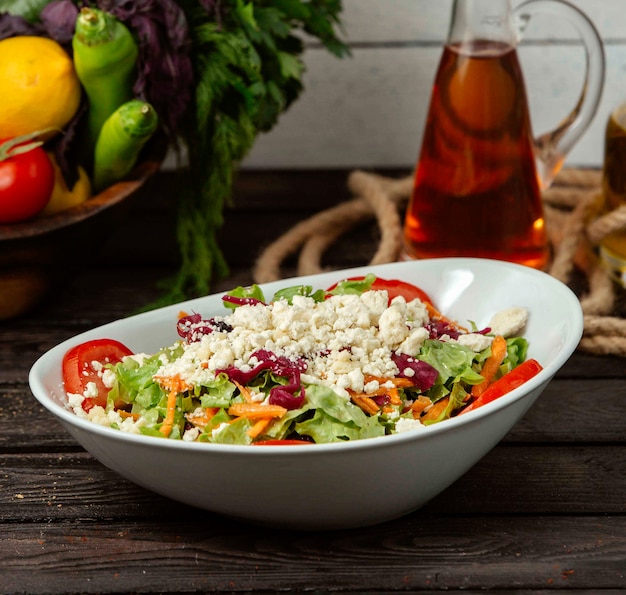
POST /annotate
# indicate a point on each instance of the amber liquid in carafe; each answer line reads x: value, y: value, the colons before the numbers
x: 476, y: 191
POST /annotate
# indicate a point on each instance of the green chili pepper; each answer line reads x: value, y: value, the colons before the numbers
x: 105, y: 58
x: 120, y: 141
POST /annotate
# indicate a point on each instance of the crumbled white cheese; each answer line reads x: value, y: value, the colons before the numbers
x: 413, y: 343
x: 139, y: 357
x: 91, y: 390
x: 108, y: 378
x: 343, y: 338
x: 191, y: 435
x: 509, y: 322
x: 376, y: 302
x: 392, y: 325
x: 258, y: 397
x: 475, y: 341
x: 372, y: 386
x: 97, y: 366
x: 75, y: 404
x: 406, y: 424
x: 417, y: 313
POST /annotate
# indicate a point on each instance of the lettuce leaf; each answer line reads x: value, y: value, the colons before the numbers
x: 216, y: 393
x: 354, y: 287
x: 457, y: 399
x: 288, y: 293
x: 454, y: 364
x: 336, y: 419
x: 134, y: 383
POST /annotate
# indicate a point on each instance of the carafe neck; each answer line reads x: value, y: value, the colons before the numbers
x: 485, y: 20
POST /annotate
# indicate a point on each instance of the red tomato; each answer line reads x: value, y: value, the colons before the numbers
x: 516, y: 377
x: 26, y: 181
x: 83, y: 363
x: 394, y: 288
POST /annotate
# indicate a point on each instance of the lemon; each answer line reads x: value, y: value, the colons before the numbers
x: 62, y: 197
x: 38, y: 86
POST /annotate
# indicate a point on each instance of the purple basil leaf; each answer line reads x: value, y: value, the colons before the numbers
x: 423, y: 374
x: 281, y: 396
x: 282, y: 366
x: 59, y: 19
x: 14, y: 25
x: 165, y: 72
x: 241, y: 301
x: 438, y: 328
x: 192, y: 328
x: 381, y: 400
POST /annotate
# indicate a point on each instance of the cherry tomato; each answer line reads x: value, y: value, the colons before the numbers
x: 516, y: 377
x: 283, y: 442
x: 83, y: 363
x: 26, y: 180
x: 394, y: 288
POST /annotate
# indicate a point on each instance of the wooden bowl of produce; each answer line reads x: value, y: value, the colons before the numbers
x: 37, y: 255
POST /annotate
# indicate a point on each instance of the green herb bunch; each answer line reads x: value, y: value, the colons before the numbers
x: 218, y: 73
x: 248, y: 72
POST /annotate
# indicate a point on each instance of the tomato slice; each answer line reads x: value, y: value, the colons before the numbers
x: 394, y: 288
x: 83, y: 364
x: 283, y: 442
x: 516, y: 377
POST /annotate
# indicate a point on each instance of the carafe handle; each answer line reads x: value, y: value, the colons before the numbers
x: 552, y: 147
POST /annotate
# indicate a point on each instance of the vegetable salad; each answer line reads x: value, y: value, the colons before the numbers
x: 363, y: 359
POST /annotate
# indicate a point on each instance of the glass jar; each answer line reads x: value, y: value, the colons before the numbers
x: 613, y: 246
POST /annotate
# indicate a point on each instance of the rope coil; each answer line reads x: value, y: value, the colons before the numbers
x: 575, y: 228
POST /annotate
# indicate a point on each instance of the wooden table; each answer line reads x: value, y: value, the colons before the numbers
x: 544, y: 511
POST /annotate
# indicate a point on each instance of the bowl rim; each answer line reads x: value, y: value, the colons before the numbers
x: 575, y: 328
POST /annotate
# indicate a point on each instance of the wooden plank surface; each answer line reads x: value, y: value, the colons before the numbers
x: 544, y: 511
x: 535, y: 480
x: 418, y: 554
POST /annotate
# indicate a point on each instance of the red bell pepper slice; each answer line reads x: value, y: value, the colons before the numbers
x: 516, y: 377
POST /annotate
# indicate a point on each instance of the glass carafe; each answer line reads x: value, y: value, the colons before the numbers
x: 480, y: 173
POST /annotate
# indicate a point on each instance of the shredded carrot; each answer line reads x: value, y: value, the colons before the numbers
x: 175, y: 385
x: 397, y: 382
x: 392, y: 393
x: 126, y: 414
x: 259, y: 427
x: 366, y: 403
x: 168, y: 422
x: 182, y: 314
x: 201, y: 421
x: 419, y: 405
x: 394, y: 396
x: 256, y: 410
x: 491, y: 365
x: 437, y: 409
x: 436, y: 315
x: 245, y: 392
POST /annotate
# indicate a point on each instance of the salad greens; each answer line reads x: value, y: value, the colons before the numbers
x: 311, y: 365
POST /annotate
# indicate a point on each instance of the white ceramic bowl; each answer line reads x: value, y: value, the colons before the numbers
x: 332, y: 486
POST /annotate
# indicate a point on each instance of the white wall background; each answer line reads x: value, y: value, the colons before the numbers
x: 368, y: 110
